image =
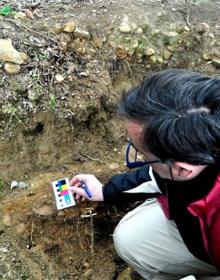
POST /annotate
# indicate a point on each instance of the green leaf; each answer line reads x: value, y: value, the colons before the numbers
x: 5, y: 11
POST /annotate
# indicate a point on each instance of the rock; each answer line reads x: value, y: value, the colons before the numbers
x: 14, y: 184
x: 113, y: 166
x: 206, y: 56
x: 23, y: 55
x: 58, y: 29
x: 202, y: 28
x: 9, y: 54
x: 81, y: 33
x: 166, y: 55
x: 20, y: 15
x: 125, y: 274
x: 3, y: 250
x: 88, y: 273
x: 153, y: 59
x: 139, y: 30
x: 69, y: 27
x: 29, y: 13
x: 216, y: 62
x: 7, y: 220
x: 211, y: 35
x: 59, y: 78
x: 134, y: 44
x: 170, y: 37
x: 124, y: 28
x: 84, y: 74
x: 45, y: 210
x: 22, y: 185
x: 159, y: 60
x: 12, y: 68
x: 20, y: 228
x: 149, y: 52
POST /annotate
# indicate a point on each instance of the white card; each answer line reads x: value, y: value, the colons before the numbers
x: 63, y: 195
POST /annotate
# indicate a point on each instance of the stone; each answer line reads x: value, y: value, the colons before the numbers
x: 69, y: 27
x: 126, y: 274
x: 139, y: 30
x: 206, y: 56
x: 202, y: 28
x: 124, y: 28
x: 170, y: 37
x: 81, y: 33
x: 166, y: 55
x: 9, y: 54
x: 7, y: 220
x: 20, y: 228
x: 45, y: 210
x: 87, y: 274
x: 216, y: 62
x: 14, y: 184
x: 20, y: 15
x: 59, y: 78
x: 58, y: 29
x: 113, y: 166
x: 11, y: 68
x: 159, y: 60
x: 3, y: 250
x: 149, y: 52
x: 153, y: 59
x: 22, y: 185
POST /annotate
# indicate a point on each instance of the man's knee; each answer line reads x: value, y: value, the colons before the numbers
x: 123, y: 238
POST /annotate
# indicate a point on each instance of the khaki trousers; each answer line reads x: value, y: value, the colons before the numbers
x: 152, y: 245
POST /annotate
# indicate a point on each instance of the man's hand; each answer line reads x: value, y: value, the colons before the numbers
x: 93, y: 184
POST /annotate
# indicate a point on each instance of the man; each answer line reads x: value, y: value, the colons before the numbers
x: 173, y: 120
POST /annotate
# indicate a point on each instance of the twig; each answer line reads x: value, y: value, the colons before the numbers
x: 90, y: 157
x: 19, y: 24
x: 31, y: 237
x: 92, y: 233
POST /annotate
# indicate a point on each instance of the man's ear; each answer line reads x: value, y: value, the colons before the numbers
x: 185, y: 170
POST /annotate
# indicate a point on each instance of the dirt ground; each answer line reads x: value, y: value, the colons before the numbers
x: 58, y: 118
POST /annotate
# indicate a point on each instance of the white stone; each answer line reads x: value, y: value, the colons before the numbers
x: 9, y: 54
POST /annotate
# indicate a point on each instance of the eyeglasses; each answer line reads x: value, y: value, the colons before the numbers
x: 131, y: 157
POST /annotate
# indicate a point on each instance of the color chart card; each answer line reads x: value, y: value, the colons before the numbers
x: 63, y: 195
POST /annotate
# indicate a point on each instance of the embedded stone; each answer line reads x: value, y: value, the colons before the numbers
x: 9, y: 54
x: 166, y: 54
x: 81, y: 33
x: 153, y: 59
x: 59, y: 78
x: 12, y: 68
x: 45, y: 210
x: 206, y: 56
x: 170, y: 37
x: 149, y: 52
x: 202, y: 27
x: 159, y: 60
x: 69, y: 27
x: 124, y: 27
x: 216, y: 62
x: 20, y: 228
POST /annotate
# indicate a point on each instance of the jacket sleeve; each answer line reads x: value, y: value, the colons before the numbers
x: 114, y: 190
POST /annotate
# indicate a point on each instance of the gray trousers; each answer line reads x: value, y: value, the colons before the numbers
x: 152, y: 245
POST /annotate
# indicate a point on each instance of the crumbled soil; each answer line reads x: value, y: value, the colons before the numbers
x: 58, y: 118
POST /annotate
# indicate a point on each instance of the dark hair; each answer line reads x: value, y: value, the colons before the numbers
x: 180, y: 111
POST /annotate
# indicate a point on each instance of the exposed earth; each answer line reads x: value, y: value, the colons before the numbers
x: 63, y: 66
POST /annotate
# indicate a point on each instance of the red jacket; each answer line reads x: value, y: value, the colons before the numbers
x: 193, y: 205
x: 207, y: 210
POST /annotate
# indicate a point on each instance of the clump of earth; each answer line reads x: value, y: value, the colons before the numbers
x: 63, y: 67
